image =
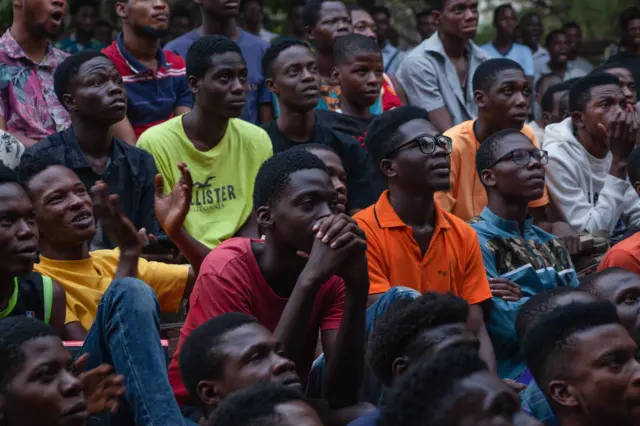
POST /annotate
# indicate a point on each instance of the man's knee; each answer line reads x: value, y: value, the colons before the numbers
x: 131, y: 294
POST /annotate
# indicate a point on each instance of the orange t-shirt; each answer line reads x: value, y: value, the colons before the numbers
x: 625, y: 254
x: 467, y: 196
x: 452, y: 263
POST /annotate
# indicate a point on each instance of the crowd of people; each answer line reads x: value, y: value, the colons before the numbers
x: 351, y: 234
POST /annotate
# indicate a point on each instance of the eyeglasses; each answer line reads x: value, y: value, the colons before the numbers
x: 427, y: 144
x: 522, y: 157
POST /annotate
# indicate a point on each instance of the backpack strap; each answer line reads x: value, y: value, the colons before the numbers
x: 47, y: 292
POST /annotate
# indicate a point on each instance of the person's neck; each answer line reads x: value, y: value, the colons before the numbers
x: 252, y: 28
x: 220, y: 25
x: 483, y: 128
x: 454, y: 47
x: 532, y: 46
x: 590, y: 145
x: 6, y: 289
x: 580, y: 419
x: 204, y: 127
x: 295, y: 125
x: 503, y: 42
x: 507, y: 209
x: 83, y: 36
x: 280, y: 267
x: 348, y: 108
x: 572, y: 56
x: 382, y: 43
x: 95, y: 140
x: 415, y: 210
x: 325, y: 64
x: 33, y: 45
x: 634, y: 49
x: 557, y: 68
x: 141, y: 48
x: 64, y: 252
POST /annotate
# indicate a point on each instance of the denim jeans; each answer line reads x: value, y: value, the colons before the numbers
x: 126, y: 334
x: 371, y: 389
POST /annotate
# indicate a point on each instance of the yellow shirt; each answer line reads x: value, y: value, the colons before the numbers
x: 86, y: 280
x: 223, y: 177
x: 467, y: 196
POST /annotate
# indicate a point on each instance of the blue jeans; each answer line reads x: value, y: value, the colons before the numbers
x: 126, y: 334
x: 371, y: 389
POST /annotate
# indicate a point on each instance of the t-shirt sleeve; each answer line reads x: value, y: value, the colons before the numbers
x: 475, y: 286
x: 168, y: 281
x: 527, y: 62
x: 331, y: 320
x: 378, y: 269
x: 419, y: 78
x: 69, y: 316
x: 620, y: 259
x: 215, y: 295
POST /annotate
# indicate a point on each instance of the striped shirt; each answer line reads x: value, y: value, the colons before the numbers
x: 153, y: 96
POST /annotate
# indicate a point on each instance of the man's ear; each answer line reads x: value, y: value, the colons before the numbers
x: 636, y: 186
x: 194, y: 84
x: 577, y: 118
x: 480, y: 98
x: 209, y: 394
x: 546, y: 117
x: 271, y: 85
x: 68, y: 102
x: 309, y: 32
x: 335, y: 73
x: 488, y: 178
x: 399, y: 366
x: 264, y: 217
x: 562, y: 393
x: 121, y: 9
x: 437, y: 15
x: 387, y: 167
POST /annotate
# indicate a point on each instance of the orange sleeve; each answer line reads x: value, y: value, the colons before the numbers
x: 378, y: 269
x: 474, y: 288
x: 621, y: 259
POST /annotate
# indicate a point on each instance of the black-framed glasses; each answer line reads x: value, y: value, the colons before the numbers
x: 427, y: 144
x: 522, y: 157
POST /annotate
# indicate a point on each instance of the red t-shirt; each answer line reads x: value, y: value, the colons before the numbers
x: 230, y: 281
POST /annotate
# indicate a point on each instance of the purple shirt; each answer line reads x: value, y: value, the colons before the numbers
x: 28, y: 102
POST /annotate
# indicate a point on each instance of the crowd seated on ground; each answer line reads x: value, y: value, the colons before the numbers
x: 339, y: 232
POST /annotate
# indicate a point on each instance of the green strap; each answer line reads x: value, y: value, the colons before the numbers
x: 13, y: 300
x: 47, y: 290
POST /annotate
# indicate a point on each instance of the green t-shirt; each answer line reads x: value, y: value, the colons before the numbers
x: 223, y: 177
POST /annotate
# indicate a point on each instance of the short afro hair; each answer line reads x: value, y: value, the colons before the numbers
x: 311, y: 12
x: 68, y: 69
x: 400, y: 328
x: 612, y: 65
x: 75, y: 6
x: 539, y: 304
x: 275, y: 49
x: 549, y: 342
x: 203, y: 49
x: 181, y: 12
x: 552, y: 36
x: 497, y: 10
x: 381, y: 9
x: 347, y: 47
x: 313, y: 146
x: 487, y: 73
x: 580, y: 91
x: 572, y: 24
x: 634, y: 165
x: 7, y: 175
x: 593, y: 283
x: 422, y: 395
x: 546, y: 103
x: 255, y: 405
x: 32, y: 165
x: 486, y: 154
x: 626, y: 16
x: 199, y: 357
x: 544, y: 78
x: 424, y: 13
x: 14, y: 333
x: 382, y: 135
x: 275, y: 173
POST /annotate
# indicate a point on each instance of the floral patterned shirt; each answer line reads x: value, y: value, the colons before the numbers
x: 28, y: 102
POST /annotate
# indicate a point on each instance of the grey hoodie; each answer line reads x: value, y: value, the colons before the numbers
x: 589, y: 198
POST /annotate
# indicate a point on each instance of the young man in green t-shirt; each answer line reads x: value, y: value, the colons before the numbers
x: 223, y: 152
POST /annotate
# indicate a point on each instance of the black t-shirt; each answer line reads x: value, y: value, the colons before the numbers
x: 632, y: 62
x: 354, y: 160
x: 31, y: 297
x: 355, y: 129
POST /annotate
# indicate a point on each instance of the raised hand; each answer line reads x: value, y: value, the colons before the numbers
x: 116, y: 225
x: 102, y: 387
x: 621, y: 134
x: 172, y: 209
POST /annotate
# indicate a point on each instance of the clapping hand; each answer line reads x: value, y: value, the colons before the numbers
x: 172, y: 209
x: 102, y: 387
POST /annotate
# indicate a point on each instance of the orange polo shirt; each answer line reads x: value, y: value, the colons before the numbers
x: 467, y: 196
x: 452, y: 263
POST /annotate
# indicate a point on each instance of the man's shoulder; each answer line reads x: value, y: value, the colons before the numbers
x: 462, y: 230
x: 181, y: 45
x: 251, y: 43
x: 160, y: 134
x: 462, y: 135
x: 175, y: 61
x: 249, y: 132
x: 231, y: 257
